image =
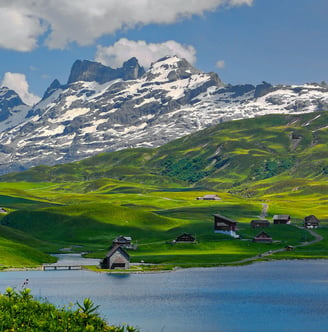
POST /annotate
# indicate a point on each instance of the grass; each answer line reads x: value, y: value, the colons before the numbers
x: 91, y: 220
x: 150, y: 195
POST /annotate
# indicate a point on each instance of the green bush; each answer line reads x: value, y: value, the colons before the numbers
x: 19, y: 311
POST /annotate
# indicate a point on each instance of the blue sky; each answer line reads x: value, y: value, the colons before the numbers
x: 244, y: 41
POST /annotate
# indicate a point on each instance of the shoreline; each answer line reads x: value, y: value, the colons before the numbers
x: 93, y: 268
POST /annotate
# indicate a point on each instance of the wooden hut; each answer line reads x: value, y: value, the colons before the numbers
x: 209, y: 197
x: 281, y: 219
x: 185, y: 238
x: 117, y: 258
x: 3, y: 210
x: 260, y: 223
x: 124, y: 242
x: 262, y: 237
x: 225, y: 225
x: 311, y: 221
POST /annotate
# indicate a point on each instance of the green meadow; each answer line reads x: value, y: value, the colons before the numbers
x: 150, y: 195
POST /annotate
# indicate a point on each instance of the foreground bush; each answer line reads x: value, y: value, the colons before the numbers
x: 19, y: 311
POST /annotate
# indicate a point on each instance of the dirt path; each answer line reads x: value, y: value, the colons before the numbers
x: 317, y: 238
x: 264, y: 211
x: 265, y: 207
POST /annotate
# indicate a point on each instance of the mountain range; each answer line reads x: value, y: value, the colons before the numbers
x: 101, y: 109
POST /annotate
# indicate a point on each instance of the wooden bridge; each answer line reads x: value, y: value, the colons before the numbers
x: 61, y: 267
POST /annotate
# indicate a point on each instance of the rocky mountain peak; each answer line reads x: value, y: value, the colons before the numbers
x: 89, y: 71
x: 171, y: 68
x: 53, y: 87
x: 131, y: 70
x: 9, y: 99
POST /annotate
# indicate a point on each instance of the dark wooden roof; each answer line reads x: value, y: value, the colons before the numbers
x: 281, y: 217
x: 262, y: 235
x: 311, y: 218
x: 185, y: 237
x: 260, y: 221
x: 225, y: 219
x: 115, y: 248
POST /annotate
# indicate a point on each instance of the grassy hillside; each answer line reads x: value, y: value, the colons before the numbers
x: 150, y: 194
x: 227, y: 156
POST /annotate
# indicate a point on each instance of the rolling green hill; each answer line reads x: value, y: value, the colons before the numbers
x: 150, y: 194
x: 230, y: 155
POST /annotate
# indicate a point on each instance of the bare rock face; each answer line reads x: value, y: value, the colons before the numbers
x: 89, y: 71
x: 104, y: 109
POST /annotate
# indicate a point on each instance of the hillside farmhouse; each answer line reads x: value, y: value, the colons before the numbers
x: 209, y: 198
x: 260, y: 223
x: 185, y: 238
x: 281, y: 219
x: 311, y: 221
x: 116, y: 258
x: 124, y: 242
x: 262, y: 237
x: 225, y: 225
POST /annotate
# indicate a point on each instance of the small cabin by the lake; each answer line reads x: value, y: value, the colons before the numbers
x: 281, y: 219
x: 209, y: 197
x: 3, y: 210
x: 185, y: 238
x: 117, y: 258
x: 311, y: 221
x: 260, y: 223
x: 225, y: 225
x: 262, y: 237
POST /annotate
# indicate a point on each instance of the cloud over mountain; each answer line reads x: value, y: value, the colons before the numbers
x: 83, y: 21
x: 146, y: 53
x: 18, y: 83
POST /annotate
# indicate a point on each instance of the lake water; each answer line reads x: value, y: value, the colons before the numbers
x: 272, y: 296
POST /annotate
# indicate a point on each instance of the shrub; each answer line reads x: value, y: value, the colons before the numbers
x: 19, y: 311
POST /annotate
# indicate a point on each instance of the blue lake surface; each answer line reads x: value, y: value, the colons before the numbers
x: 272, y: 296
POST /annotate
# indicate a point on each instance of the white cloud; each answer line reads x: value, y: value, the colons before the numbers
x: 125, y: 49
x: 18, y: 83
x: 18, y: 31
x: 220, y: 64
x: 23, y: 22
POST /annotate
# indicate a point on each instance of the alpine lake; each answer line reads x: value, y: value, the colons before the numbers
x: 285, y: 295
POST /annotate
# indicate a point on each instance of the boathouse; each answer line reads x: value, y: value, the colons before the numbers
x: 117, y: 258
x: 260, y: 223
x: 311, y: 221
x: 281, y: 219
x: 225, y: 225
x: 262, y: 237
x: 185, y: 238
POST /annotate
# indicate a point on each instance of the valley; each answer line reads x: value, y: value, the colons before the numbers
x: 151, y: 196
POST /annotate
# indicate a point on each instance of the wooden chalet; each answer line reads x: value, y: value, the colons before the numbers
x: 311, y: 221
x: 185, y: 238
x: 3, y: 210
x: 209, y: 198
x: 124, y: 242
x: 281, y: 219
x: 262, y: 237
x: 117, y: 258
x: 260, y: 223
x: 225, y: 225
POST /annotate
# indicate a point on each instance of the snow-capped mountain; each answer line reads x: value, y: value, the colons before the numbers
x: 12, y: 109
x: 104, y: 109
